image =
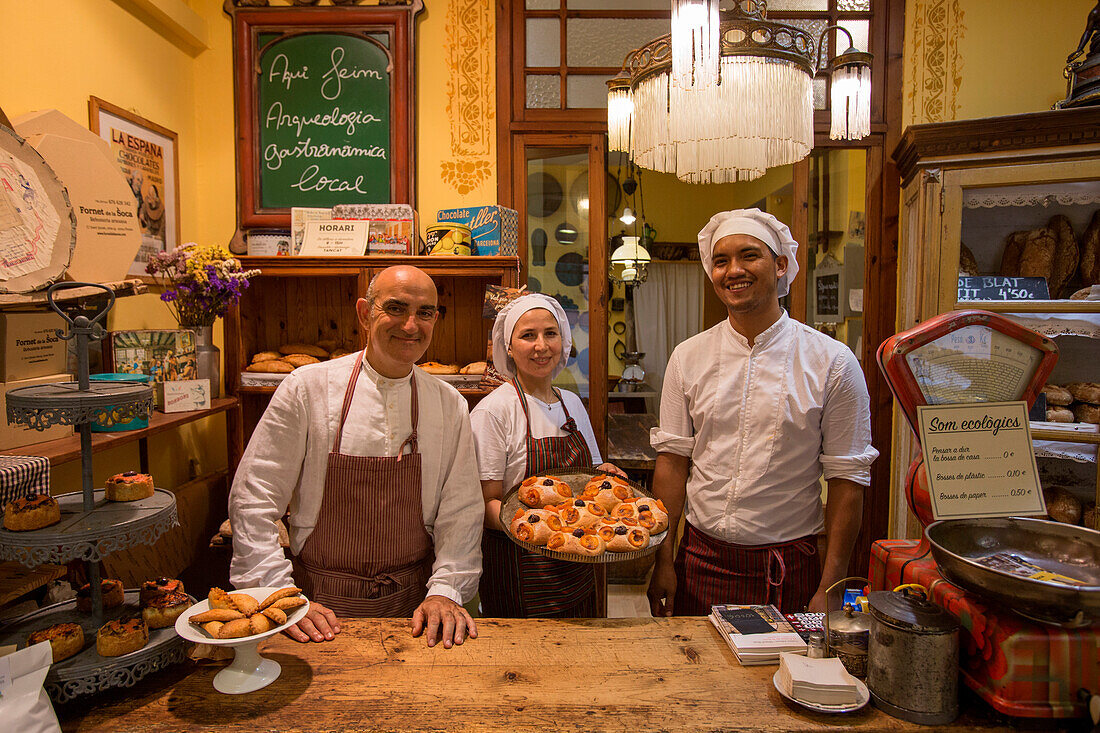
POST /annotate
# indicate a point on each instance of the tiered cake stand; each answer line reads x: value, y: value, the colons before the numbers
x: 91, y: 527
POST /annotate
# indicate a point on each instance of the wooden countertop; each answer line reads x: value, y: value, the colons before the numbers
x: 518, y: 675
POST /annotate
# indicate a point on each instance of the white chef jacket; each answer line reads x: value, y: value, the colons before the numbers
x: 286, y: 461
x: 500, y: 431
x: 761, y: 425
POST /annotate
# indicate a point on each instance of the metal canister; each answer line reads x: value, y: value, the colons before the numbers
x: 448, y: 239
x: 913, y: 658
x: 848, y: 637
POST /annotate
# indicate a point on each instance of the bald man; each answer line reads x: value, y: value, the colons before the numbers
x: 375, y: 460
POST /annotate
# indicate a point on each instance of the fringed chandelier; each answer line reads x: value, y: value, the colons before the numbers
x: 727, y: 95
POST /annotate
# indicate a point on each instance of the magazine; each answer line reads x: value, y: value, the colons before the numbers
x: 757, y: 634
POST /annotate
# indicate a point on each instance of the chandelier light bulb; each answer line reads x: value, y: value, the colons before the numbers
x: 628, y: 217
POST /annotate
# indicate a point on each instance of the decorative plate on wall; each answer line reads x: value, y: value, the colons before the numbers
x: 571, y: 269
x: 566, y: 233
x: 544, y: 194
x: 538, y: 247
x: 578, y: 191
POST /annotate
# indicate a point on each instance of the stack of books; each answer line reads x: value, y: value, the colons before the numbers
x: 817, y: 681
x: 757, y: 634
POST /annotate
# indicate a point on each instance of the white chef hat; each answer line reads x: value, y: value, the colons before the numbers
x: 506, y: 323
x: 755, y: 223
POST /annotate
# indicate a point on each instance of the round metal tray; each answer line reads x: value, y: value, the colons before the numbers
x: 961, y: 545
x: 64, y: 403
x: 110, y: 526
x: 576, y: 478
x: 87, y: 672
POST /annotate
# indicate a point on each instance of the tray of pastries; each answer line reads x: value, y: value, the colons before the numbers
x: 584, y: 515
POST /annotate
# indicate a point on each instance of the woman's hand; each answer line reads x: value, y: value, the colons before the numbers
x: 611, y: 468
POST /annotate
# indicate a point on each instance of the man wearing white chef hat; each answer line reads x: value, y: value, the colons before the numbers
x: 753, y: 412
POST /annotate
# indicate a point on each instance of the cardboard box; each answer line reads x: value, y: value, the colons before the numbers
x: 184, y: 395
x: 393, y: 227
x: 31, y: 346
x: 166, y: 356
x: 495, y: 228
x: 15, y: 436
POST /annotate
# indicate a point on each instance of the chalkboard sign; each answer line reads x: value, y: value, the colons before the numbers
x: 325, y: 107
x: 827, y: 294
x: 997, y: 287
x: 324, y: 127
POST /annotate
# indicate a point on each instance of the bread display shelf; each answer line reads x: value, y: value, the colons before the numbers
x: 87, y: 671
x: 576, y: 478
x: 110, y: 526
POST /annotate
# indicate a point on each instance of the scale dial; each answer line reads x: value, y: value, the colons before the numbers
x: 976, y: 363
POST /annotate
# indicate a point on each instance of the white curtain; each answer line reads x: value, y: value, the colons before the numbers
x: 668, y: 308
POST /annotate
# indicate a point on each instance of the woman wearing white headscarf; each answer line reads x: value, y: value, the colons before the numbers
x: 523, y: 428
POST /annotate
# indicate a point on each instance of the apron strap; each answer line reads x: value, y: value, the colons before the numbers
x: 411, y: 441
x: 570, y: 425
x: 347, y: 399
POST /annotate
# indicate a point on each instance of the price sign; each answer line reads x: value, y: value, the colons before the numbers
x: 980, y: 460
x: 995, y: 287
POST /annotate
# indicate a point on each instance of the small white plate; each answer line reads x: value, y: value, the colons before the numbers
x: 248, y: 671
x: 861, y: 690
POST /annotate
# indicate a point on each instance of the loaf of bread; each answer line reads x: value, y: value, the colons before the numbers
x: 434, y: 367
x: 1066, y: 254
x: 1085, y: 391
x: 1059, y: 414
x: 308, y: 349
x: 266, y: 356
x: 1056, y: 395
x: 1037, y: 255
x: 297, y: 360
x: 276, y: 366
x: 1010, y: 258
x: 1062, y: 506
x: 477, y: 367
x: 967, y: 264
x: 1087, y: 412
x: 1090, y: 252
x: 1089, y: 518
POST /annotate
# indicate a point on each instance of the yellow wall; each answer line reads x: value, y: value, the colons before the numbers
x: 981, y: 58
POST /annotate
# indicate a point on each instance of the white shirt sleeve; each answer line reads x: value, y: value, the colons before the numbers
x: 675, y: 432
x: 263, y: 486
x: 456, y: 532
x: 846, y: 450
x: 491, y: 439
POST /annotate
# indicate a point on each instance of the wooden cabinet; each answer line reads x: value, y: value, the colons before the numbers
x: 311, y: 299
x: 967, y: 187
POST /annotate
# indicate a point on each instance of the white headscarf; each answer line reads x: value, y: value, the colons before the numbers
x: 755, y: 223
x: 506, y: 323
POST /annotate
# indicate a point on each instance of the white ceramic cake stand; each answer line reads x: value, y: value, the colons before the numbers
x: 249, y: 671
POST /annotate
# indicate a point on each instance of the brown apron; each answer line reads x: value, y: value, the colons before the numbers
x: 369, y: 554
x: 521, y: 584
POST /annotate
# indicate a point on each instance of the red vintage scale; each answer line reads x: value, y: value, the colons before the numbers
x: 1020, y: 667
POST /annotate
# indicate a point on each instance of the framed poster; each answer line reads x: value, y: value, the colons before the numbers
x: 325, y: 100
x: 148, y: 156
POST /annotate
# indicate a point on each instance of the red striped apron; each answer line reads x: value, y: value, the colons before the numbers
x: 710, y: 571
x: 516, y: 583
x: 369, y: 554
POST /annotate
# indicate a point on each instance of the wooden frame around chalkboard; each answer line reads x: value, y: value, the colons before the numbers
x: 394, y: 20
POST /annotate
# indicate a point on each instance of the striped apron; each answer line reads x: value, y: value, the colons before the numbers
x: 516, y: 583
x: 369, y: 554
x: 710, y: 571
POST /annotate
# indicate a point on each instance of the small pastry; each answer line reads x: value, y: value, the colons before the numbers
x: 288, y: 604
x: 577, y: 542
x: 119, y: 637
x: 153, y: 589
x: 216, y: 614
x: 541, y: 491
x: 287, y: 592
x: 129, y: 486
x: 65, y: 639
x: 266, y: 356
x: 260, y: 623
x: 113, y: 595
x: 244, y: 603
x: 275, y: 614
x: 220, y: 599
x: 235, y: 629
x: 162, y: 612
x: 607, y: 492
x: 581, y: 513
x: 33, y: 511
x: 213, y: 627
x: 652, y: 515
x: 623, y: 535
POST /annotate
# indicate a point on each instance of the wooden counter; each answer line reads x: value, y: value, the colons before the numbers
x: 587, y: 675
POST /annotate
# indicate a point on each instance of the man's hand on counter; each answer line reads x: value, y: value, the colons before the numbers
x: 319, y: 624
x: 443, y: 620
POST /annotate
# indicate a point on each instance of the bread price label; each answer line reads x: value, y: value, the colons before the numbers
x: 979, y: 460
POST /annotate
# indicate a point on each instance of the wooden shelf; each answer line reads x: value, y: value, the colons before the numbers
x: 37, y: 300
x: 68, y: 449
x: 270, y: 389
x: 1065, y: 436
x: 17, y: 579
x: 350, y: 266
